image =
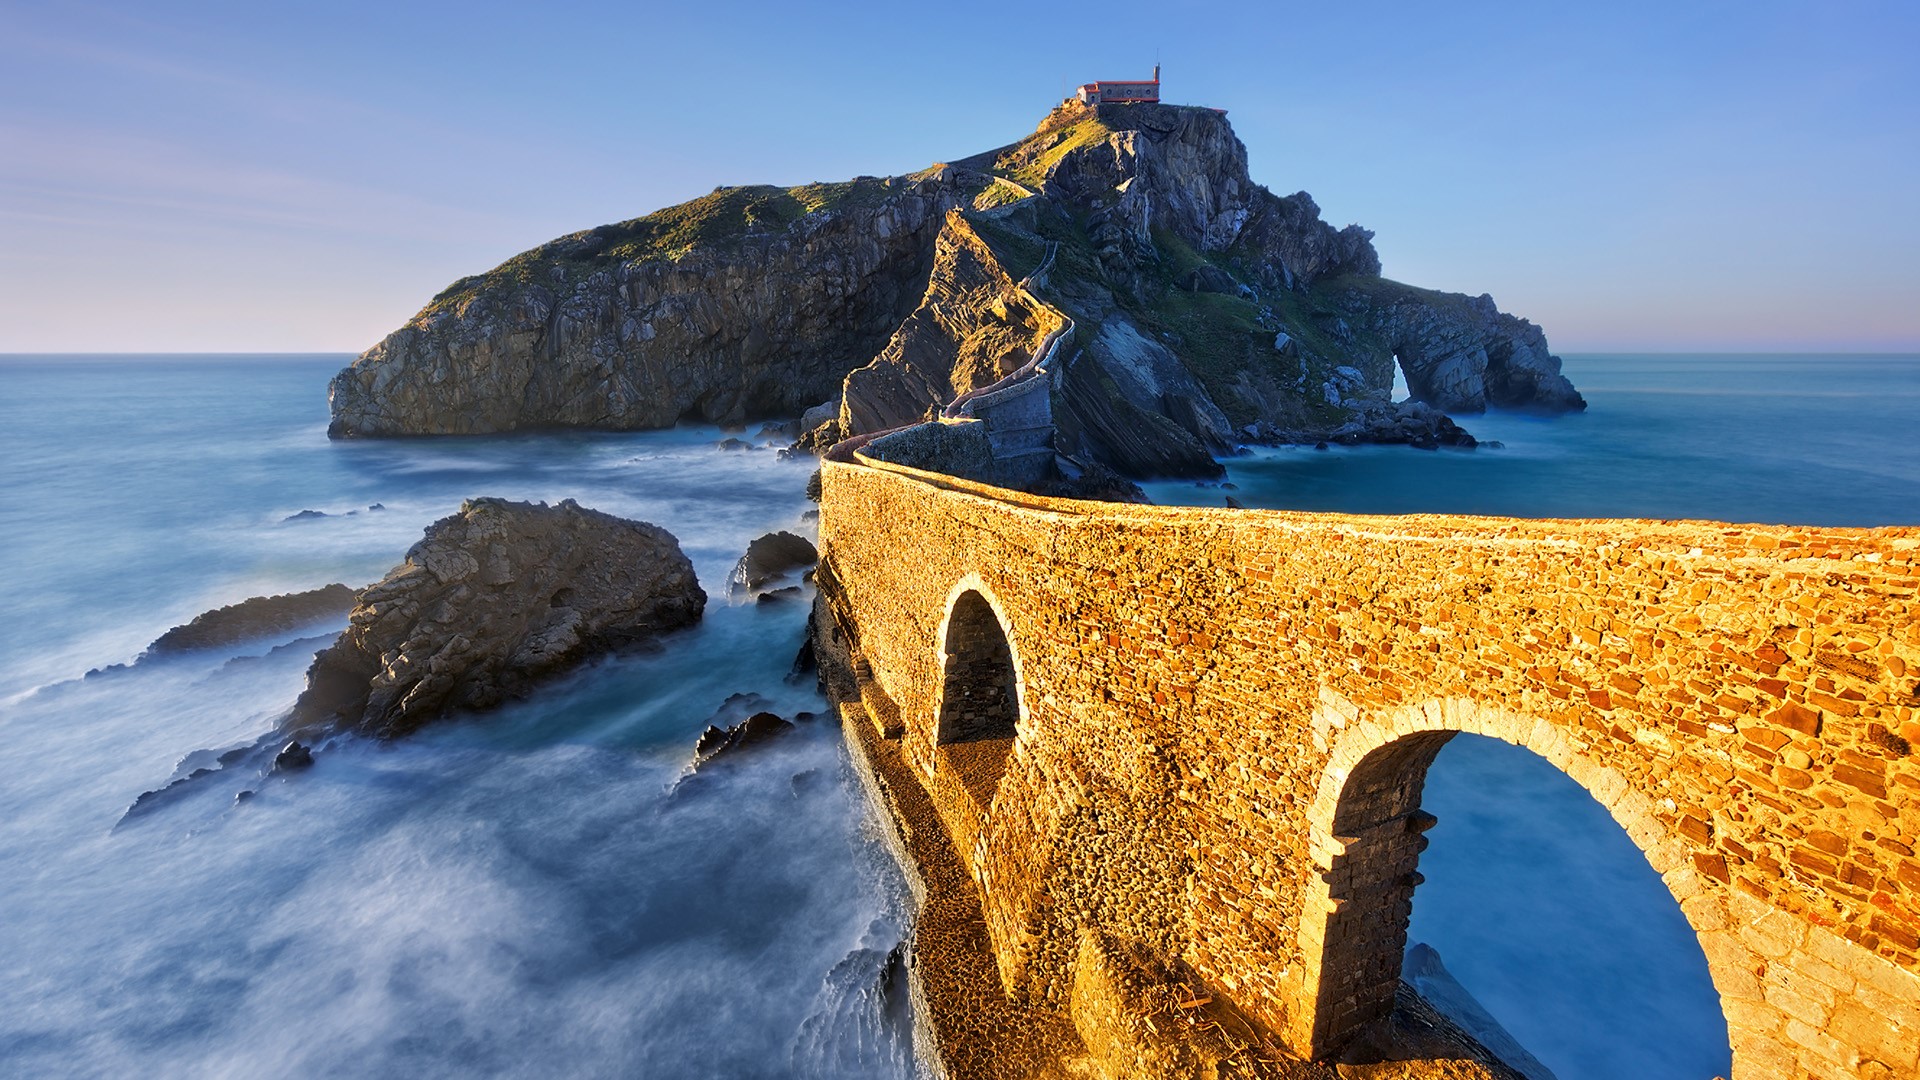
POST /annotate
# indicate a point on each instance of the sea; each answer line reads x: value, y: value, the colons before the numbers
x: 539, y: 892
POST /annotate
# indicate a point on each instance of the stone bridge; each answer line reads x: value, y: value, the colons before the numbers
x: 1207, y: 731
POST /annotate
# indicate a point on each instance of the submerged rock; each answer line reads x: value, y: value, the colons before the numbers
x: 492, y: 600
x: 1410, y: 422
x: 254, y: 617
x: 769, y: 558
x: 755, y: 730
x: 1422, y: 969
x: 293, y: 757
x: 805, y: 663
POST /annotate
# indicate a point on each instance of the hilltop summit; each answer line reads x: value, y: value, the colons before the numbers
x: 1206, y: 310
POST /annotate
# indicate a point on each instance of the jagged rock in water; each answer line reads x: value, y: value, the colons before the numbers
x: 861, y: 1022
x: 293, y: 757
x: 804, y: 661
x: 252, y: 618
x: 761, y: 727
x: 1414, y: 423
x: 770, y: 557
x: 492, y: 600
x: 1422, y: 969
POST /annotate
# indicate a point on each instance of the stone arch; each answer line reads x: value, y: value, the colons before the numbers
x: 1398, y: 374
x: 1366, y: 835
x: 980, y: 705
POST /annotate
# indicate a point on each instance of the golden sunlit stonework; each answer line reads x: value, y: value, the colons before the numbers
x: 1175, y: 756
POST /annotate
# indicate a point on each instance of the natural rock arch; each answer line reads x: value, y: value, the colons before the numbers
x: 1367, y: 835
x: 977, y: 717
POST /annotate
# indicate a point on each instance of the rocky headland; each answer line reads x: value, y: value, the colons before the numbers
x: 748, y: 302
x: 1200, y: 306
x: 491, y: 601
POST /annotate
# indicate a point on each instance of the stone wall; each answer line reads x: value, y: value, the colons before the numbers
x: 1224, y: 720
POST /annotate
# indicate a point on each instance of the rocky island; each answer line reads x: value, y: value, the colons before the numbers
x: 1201, y: 310
x: 491, y: 601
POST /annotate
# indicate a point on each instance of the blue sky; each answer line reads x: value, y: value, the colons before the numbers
x: 288, y: 177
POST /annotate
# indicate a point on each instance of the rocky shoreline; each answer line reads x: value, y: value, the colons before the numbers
x: 1408, y: 423
x: 1202, y: 311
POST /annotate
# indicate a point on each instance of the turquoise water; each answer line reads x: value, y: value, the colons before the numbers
x: 1827, y: 440
x: 518, y: 896
x: 1535, y: 898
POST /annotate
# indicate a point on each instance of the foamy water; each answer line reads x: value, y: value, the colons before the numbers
x: 520, y: 894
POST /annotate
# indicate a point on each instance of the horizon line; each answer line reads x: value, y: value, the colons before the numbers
x: 264, y: 353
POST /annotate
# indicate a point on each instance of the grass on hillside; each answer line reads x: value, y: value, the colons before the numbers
x: 1030, y: 159
x: 1385, y: 290
x: 714, y: 221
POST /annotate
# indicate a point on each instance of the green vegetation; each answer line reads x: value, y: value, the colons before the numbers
x: 996, y: 195
x: 1386, y: 290
x: 1027, y: 163
x: 1018, y: 250
x: 716, y: 221
x: 1221, y: 337
x: 1217, y: 333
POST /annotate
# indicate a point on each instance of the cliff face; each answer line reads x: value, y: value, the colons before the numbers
x: 1184, y: 171
x: 751, y: 301
x: 1207, y: 309
x: 1459, y: 353
x: 971, y: 327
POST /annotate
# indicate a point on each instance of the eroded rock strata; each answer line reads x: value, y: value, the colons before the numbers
x: 1201, y: 304
x: 492, y: 600
x: 747, y: 302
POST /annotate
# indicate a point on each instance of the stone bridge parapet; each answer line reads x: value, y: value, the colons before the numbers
x: 1207, y: 731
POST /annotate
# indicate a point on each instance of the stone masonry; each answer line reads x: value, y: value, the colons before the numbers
x: 1223, y: 719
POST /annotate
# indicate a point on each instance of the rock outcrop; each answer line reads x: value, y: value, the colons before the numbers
x: 755, y: 730
x: 1183, y: 171
x: 748, y: 302
x: 1459, y: 353
x: 769, y: 558
x: 1200, y: 301
x: 972, y: 326
x: 254, y: 618
x: 492, y: 600
x: 1204, y: 306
